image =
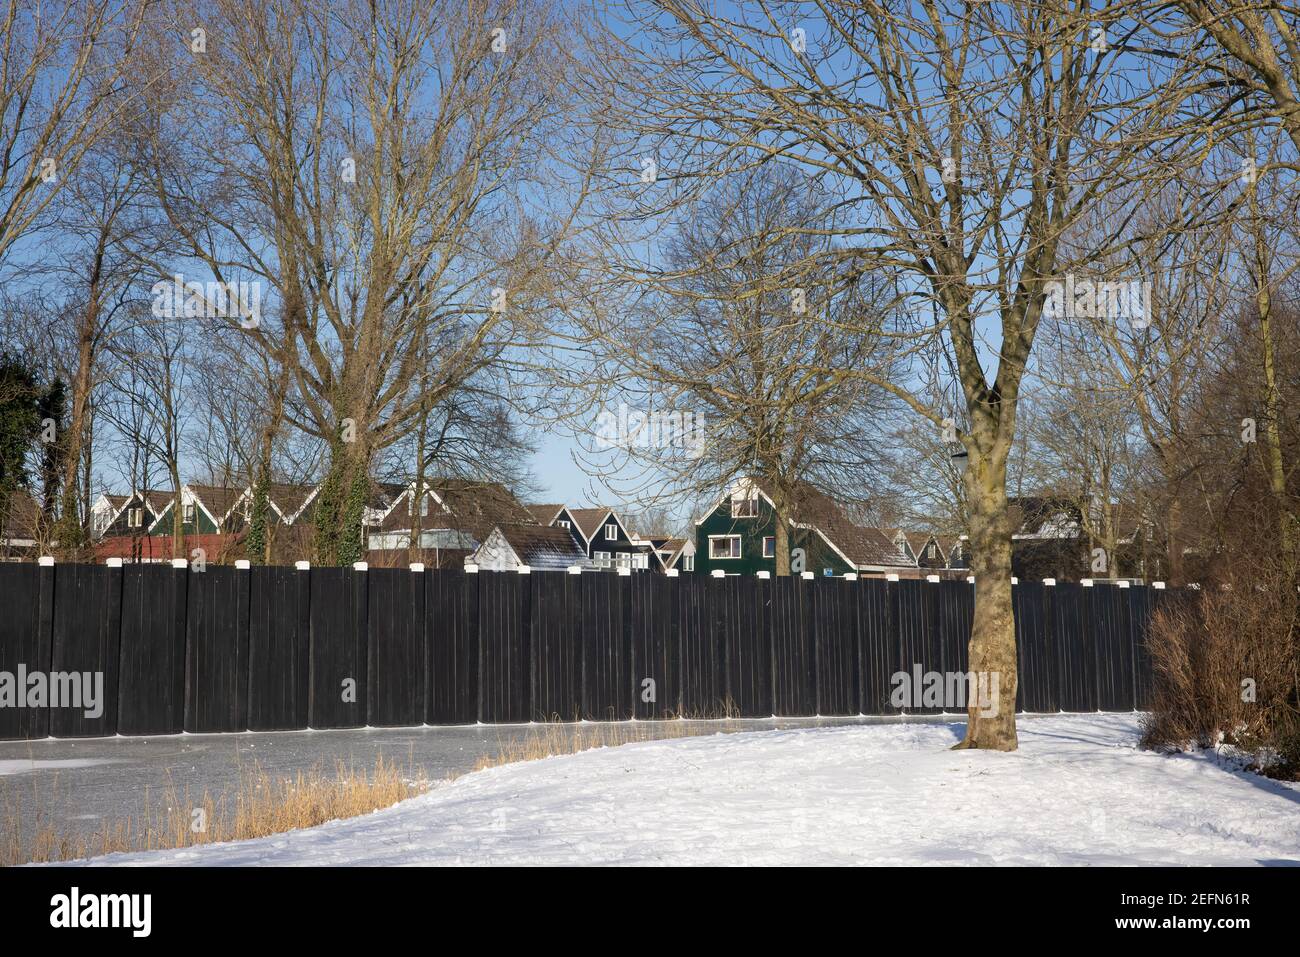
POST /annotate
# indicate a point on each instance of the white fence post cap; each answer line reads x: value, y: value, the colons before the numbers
x: 1015, y: 580
x: 718, y: 573
x: 524, y: 570
x: 970, y: 579
x: 417, y: 566
x: 1123, y: 584
x: 302, y: 566
x: 764, y: 574
x: 932, y: 578
x: 625, y: 571
x: 471, y: 567
x: 243, y: 563
x: 673, y: 573
x: 808, y: 575
x: 46, y: 560
x: 891, y: 577
x: 114, y: 563
x: 180, y: 563
x: 360, y: 566
x: 1049, y: 581
x: 850, y: 576
x: 577, y: 570
x: 1159, y: 585
x: 1085, y: 582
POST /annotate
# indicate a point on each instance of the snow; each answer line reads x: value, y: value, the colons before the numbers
x: 1078, y: 792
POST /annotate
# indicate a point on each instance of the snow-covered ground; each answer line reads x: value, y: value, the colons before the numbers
x: 1077, y: 792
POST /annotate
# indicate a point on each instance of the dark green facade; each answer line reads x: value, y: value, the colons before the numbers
x: 201, y: 524
x: 819, y: 558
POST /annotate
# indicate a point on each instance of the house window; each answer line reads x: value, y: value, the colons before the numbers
x: 563, y: 523
x: 611, y: 532
x: 601, y: 559
x: 688, y: 561
x: 931, y: 550
x: 724, y: 546
x: 134, y: 517
x: 769, y: 546
x: 744, y: 507
x: 623, y: 559
x: 641, y: 560
x: 424, y: 507
x: 189, y: 514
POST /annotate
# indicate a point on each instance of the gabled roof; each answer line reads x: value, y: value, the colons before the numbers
x: 674, y: 548
x: 478, y: 506
x: 813, y: 509
x: 290, y: 500
x: 864, y: 545
x: 589, y: 520
x: 154, y: 500
x: 543, y: 546
x: 469, y: 506
x: 216, y: 500
x: 544, y: 514
x: 947, y: 543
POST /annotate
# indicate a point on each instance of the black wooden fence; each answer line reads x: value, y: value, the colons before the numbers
x: 264, y: 649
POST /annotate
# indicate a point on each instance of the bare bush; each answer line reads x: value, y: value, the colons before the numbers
x: 1226, y: 664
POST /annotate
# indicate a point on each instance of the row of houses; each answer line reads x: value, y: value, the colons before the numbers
x: 453, y: 522
x: 737, y: 535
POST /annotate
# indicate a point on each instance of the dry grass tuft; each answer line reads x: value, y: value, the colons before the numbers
x: 553, y: 740
x: 263, y: 805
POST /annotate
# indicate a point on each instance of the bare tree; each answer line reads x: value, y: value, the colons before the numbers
x: 729, y: 353
x: 383, y: 169
x: 971, y: 138
x: 61, y: 69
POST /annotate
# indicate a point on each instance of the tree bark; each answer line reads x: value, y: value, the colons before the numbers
x: 991, y: 724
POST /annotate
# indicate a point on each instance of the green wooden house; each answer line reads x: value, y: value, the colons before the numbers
x: 738, y: 537
x: 206, y: 510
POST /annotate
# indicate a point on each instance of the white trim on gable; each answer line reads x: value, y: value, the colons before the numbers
x: 577, y: 526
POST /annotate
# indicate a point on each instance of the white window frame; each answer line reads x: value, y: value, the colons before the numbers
x: 611, y: 532
x: 563, y: 523
x: 722, y: 558
x: 134, y: 517
x: 772, y: 553
x: 689, y: 562
x: 601, y: 559
x: 749, y: 504
x: 932, y: 551
x: 188, y: 511
x: 623, y: 559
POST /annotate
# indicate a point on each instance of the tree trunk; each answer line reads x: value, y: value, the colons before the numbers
x: 991, y: 723
x: 72, y: 533
x: 782, y: 544
x: 1272, y: 396
x: 342, y: 502
x: 178, y: 512
x: 259, y: 528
